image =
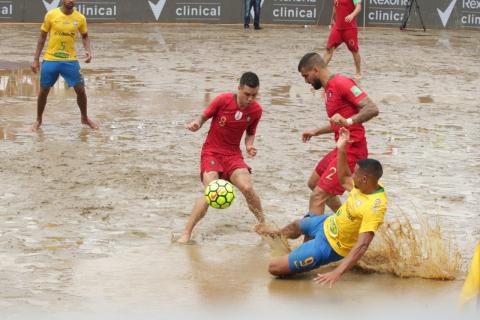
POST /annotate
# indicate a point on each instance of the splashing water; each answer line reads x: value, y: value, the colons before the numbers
x: 400, y: 248
x: 407, y: 250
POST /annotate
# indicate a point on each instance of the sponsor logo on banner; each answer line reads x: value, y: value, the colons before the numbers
x: 51, y: 5
x: 199, y: 11
x: 445, y: 15
x: 385, y: 11
x: 157, y: 8
x: 304, y: 11
x: 6, y: 9
x: 470, y: 15
x: 100, y: 10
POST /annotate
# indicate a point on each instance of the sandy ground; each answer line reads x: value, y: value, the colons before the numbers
x: 87, y: 216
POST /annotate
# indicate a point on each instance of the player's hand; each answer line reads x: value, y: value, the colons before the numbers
x: 88, y: 57
x: 35, y: 66
x: 252, y: 151
x: 349, y: 18
x: 307, y: 135
x: 192, y: 126
x: 343, y: 139
x: 338, y: 120
x: 327, y: 278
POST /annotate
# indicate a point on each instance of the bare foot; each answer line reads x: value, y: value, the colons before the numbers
x: 265, y: 229
x: 89, y: 123
x: 358, y: 76
x: 36, y: 125
x: 184, y: 239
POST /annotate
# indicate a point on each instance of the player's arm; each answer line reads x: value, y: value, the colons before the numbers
x: 368, y: 110
x: 87, y: 47
x: 197, y: 123
x: 364, y: 240
x: 251, y: 150
x: 343, y: 171
x: 355, y: 12
x: 40, y: 44
x: 307, y: 135
x: 334, y: 14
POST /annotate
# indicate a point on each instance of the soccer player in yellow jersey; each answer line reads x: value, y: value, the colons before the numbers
x: 345, y: 235
x: 61, y: 25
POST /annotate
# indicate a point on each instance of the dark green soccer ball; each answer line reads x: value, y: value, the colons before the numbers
x: 219, y: 194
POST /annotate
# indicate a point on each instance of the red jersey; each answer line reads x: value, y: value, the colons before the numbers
x: 342, y: 96
x: 342, y: 9
x: 229, y: 122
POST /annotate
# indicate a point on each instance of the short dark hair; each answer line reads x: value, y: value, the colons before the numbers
x: 311, y: 60
x: 371, y: 167
x: 249, y: 79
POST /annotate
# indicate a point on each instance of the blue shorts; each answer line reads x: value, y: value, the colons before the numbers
x: 313, y: 253
x: 70, y: 71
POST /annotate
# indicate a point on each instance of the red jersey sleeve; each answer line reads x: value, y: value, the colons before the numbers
x: 252, y: 128
x: 351, y: 92
x: 214, y: 106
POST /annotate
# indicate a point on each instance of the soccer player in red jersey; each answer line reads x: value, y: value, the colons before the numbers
x: 232, y: 115
x: 344, y: 29
x: 347, y: 106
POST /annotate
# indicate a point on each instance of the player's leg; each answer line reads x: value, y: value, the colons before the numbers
x: 334, y: 40
x: 358, y: 60
x: 310, y: 255
x: 319, y: 196
x: 70, y: 71
x: 82, y: 105
x: 334, y: 202
x: 317, y: 201
x: 248, y: 8
x: 350, y: 37
x: 256, y: 9
x: 241, y: 178
x: 48, y: 76
x: 199, y: 209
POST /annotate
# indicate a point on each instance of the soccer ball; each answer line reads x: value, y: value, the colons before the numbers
x: 219, y: 194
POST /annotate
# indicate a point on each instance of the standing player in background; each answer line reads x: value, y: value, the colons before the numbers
x: 232, y: 114
x: 344, y: 29
x: 62, y: 25
x: 347, y: 106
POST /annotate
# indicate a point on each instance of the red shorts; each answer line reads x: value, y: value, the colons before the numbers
x: 224, y: 165
x: 337, y: 37
x: 327, y: 169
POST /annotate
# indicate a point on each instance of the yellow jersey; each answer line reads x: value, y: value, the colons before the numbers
x: 360, y: 213
x: 62, y: 31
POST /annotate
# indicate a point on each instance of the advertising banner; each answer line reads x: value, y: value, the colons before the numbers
x: 382, y: 13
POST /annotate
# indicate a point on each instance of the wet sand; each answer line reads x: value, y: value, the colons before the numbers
x: 87, y: 216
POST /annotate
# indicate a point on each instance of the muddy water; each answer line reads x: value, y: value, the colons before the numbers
x: 87, y: 216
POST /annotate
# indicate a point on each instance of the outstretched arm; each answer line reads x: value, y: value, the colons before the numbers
x: 307, y: 135
x: 364, y: 240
